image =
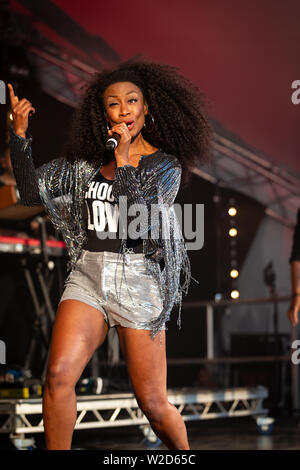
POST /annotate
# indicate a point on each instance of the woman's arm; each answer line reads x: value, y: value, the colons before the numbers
x: 24, y: 169
x: 20, y: 150
x: 295, y: 296
x: 295, y: 275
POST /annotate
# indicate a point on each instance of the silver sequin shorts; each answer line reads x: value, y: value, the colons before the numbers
x: 124, y: 293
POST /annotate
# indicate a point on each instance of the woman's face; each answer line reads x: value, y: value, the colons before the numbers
x: 124, y: 102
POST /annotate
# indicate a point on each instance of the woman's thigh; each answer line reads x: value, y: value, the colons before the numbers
x: 146, y: 363
x: 78, y: 331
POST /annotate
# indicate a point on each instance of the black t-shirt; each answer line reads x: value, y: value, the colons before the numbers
x: 102, y: 212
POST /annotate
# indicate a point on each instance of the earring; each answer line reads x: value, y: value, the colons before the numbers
x: 107, y: 126
x: 153, y: 125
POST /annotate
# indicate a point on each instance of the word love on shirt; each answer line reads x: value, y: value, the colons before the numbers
x: 103, y: 211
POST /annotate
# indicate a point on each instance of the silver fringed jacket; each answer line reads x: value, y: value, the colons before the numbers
x: 60, y: 186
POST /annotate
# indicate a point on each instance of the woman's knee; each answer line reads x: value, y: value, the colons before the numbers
x: 154, y: 408
x: 61, y: 374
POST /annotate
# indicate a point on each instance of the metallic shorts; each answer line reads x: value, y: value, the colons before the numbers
x: 124, y: 293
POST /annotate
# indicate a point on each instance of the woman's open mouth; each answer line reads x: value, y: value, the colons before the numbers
x: 130, y: 125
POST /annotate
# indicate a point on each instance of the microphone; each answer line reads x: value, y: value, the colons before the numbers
x: 112, y: 142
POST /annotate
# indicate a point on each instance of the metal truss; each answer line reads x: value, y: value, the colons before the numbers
x: 61, y: 75
x: 24, y: 416
x: 63, y: 71
x: 237, y: 167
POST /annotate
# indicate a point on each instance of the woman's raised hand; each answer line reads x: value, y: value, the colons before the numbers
x: 20, y: 109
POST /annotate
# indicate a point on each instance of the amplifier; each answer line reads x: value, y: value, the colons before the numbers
x: 20, y: 390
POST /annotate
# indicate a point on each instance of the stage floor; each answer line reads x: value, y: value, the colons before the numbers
x: 229, y: 433
x: 221, y: 434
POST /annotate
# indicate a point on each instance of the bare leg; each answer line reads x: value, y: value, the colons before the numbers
x: 78, y: 331
x: 147, y: 369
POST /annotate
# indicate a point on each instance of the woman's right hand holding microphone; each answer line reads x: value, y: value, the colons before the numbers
x: 20, y: 109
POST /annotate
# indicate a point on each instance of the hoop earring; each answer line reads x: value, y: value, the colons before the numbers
x: 153, y: 123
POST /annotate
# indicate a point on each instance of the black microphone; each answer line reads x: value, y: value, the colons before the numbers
x: 112, y: 142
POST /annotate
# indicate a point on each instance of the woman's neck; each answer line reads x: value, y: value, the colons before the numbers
x: 140, y: 147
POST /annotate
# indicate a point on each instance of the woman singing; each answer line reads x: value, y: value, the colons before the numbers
x: 115, y: 212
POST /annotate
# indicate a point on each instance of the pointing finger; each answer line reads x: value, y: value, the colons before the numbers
x: 11, y: 90
x: 13, y: 98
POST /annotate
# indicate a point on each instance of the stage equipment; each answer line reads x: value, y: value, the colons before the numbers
x: 40, y: 260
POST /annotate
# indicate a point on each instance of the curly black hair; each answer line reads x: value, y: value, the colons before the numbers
x: 181, y: 125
